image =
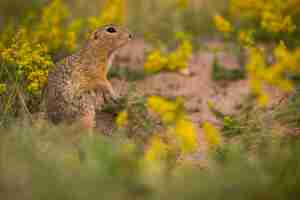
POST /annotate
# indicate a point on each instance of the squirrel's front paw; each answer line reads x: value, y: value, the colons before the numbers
x: 110, y: 97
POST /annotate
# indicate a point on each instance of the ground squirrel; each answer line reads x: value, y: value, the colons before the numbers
x: 76, y: 82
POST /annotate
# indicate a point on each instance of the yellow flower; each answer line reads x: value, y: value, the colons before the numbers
x: 285, y: 85
x: 33, y: 87
x: 167, y: 110
x: 263, y: 100
x: 211, y: 105
x: 157, y: 150
x: 155, y: 62
x: 275, y: 22
x: 246, y: 37
x: 161, y: 105
x: 122, y: 119
x: 173, y: 115
x: 3, y: 88
x: 179, y: 59
x: 287, y: 60
x: 178, y: 126
x: 222, y: 24
x: 256, y: 85
x: 186, y: 133
x: 212, y: 135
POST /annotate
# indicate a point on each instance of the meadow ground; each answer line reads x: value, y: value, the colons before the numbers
x: 198, y: 87
x: 208, y: 108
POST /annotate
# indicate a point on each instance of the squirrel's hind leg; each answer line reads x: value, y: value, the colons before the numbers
x: 88, y: 121
x: 88, y: 114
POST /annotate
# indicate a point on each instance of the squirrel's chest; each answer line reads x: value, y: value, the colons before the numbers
x: 89, y: 78
x: 110, y: 62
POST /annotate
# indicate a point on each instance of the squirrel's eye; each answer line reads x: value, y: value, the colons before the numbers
x: 111, y: 30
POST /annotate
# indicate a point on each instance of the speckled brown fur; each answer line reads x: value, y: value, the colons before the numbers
x: 76, y: 84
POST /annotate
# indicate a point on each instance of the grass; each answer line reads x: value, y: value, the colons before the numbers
x: 256, y: 127
x: 44, y: 163
x: 126, y: 74
x: 288, y: 114
x: 220, y: 73
x: 41, y: 161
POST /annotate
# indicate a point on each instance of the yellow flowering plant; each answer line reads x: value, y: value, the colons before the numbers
x: 6, y: 34
x: 177, y: 60
x: 161, y: 124
x: 186, y: 135
x: 55, y: 27
x: 212, y: 136
x: 3, y: 88
x: 31, y: 60
x: 167, y: 110
x: 222, y: 24
x: 275, y: 21
x: 122, y: 119
x: 114, y: 11
x: 246, y: 37
x: 158, y: 150
x: 261, y: 74
x: 180, y: 129
x: 155, y: 62
x: 274, y: 16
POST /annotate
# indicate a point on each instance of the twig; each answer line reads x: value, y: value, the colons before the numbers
x: 22, y: 100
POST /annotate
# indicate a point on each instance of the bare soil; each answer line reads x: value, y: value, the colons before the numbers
x: 197, y: 88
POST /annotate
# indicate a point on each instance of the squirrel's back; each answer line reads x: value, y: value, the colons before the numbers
x: 59, y: 82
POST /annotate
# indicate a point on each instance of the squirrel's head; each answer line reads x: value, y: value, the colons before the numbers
x: 109, y: 38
